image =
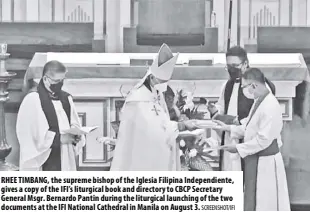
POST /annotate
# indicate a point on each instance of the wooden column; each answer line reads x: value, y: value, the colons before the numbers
x: 284, y: 12
x: 7, y: 10
x: 20, y: 10
x: 135, y: 13
x: 58, y: 14
x: 221, y: 8
x: 218, y: 7
x: 308, y: 12
x: 245, y: 22
x: 113, y: 26
x: 299, y: 16
x: 99, y: 22
x: 125, y: 20
x: 234, y: 22
x: 32, y: 10
x: 45, y: 10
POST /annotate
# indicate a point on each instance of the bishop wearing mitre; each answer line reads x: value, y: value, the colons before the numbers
x: 147, y: 137
x: 44, y: 115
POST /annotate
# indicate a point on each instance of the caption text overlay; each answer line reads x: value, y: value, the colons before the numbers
x: 121, y: 191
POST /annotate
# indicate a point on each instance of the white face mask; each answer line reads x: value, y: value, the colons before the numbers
x: 162, y: 87
x: 247, y: 94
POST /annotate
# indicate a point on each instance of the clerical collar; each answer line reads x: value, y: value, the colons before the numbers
x: 238, y: 80
x: 53, y: 96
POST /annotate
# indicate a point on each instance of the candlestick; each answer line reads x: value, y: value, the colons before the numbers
x: 5, y: 78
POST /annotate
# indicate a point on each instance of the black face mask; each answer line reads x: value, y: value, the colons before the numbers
x: 56, y: 88
x: 234, y: 73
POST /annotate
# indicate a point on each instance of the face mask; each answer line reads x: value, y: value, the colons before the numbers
x: 56, y: 88
x: 234, y: 73
x: 247, y: 93
x: 162, y: 87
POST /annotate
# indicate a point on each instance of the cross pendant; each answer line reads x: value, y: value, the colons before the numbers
x: 155, y: 110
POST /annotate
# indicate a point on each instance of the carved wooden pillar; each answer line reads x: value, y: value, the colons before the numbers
x: 5, y: 78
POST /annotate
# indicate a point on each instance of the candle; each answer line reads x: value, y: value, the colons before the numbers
x: 4, y: 48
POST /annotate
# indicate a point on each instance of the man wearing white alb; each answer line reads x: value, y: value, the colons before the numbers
x: 265, y: 184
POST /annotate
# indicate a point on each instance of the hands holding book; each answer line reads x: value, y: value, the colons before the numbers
x: 227, y: 119
x: 74, y: 134
x: 222, y: 126
x: 70, y: 139
x: 230, y: 148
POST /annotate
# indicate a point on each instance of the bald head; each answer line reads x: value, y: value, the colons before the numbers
x: 254, y: 75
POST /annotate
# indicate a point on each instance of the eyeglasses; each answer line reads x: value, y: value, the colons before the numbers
x: 55, y: 81
x: 233, y: 65
x: 245, y: 86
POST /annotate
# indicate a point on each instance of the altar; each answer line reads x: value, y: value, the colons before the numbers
x: 99, y: 81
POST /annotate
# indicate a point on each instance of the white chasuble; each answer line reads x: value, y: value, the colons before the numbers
x: 147, y: 138
x: 35, y: 139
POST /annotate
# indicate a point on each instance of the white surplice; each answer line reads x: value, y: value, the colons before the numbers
x: 35, y: 139
x: 231, y: 161
x: 147, y: 138
x: 265, y: 126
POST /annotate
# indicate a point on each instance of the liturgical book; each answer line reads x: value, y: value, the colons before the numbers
x: 80, y: 131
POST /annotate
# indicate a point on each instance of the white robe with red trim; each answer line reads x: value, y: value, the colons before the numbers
x: 265, y: 126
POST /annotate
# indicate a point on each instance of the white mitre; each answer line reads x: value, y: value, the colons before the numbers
x: 162, y: 66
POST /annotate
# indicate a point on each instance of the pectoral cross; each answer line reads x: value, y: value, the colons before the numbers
x: 155, y: 109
